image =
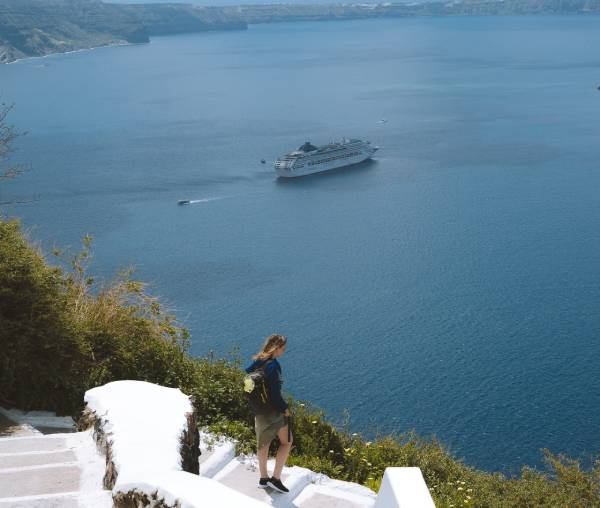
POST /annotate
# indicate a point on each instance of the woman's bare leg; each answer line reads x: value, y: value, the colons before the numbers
x: 283, y: 452
x: 263, y: 455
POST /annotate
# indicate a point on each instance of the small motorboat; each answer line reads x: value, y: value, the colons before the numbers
x: 262, y: 161
x: 183, y: 202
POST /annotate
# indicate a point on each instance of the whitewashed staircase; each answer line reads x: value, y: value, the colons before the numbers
x: 307, y: 489
x: 66, y: 470
x: 50, y: 471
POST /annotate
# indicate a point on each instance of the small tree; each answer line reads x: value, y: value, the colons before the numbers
x: 7, y: 135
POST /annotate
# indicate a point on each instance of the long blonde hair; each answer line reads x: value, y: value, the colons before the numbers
x: 271, y: 344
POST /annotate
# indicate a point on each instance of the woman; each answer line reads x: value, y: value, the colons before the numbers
x: 275, y: 423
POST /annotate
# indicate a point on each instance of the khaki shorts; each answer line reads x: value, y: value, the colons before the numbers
x: 267, y: 426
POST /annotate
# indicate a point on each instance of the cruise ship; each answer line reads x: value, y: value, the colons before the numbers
x: 313, y: 159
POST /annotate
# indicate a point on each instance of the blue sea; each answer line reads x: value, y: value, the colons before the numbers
x: 451, y: 285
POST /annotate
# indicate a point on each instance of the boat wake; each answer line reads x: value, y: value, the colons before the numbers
x: 196, y: 201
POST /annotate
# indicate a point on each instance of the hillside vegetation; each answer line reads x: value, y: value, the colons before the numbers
x: 62, y: 332
x: 42, y: 27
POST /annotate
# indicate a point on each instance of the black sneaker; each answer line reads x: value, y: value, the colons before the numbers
x: 263, y: 483
x: 276, y: 484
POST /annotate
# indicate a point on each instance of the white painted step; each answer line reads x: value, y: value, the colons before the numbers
x: 32, y: 459
x: 216, y: 454
x: 178, y: 488
x: 34, y: 466
x: 319, y: 496
x: 38, y: 481
x: 11, y: 428
x: 37, y: 443
x: 47, y: 471
x: 351, y: 487
x: 64, y: 500
x: 242, y: 475
x: 42, y: 419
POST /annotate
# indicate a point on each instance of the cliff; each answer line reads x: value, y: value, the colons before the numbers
x: 316, y: 12
x: 42, y: 27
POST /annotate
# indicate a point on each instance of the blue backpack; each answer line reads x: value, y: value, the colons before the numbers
x: 256, y: 390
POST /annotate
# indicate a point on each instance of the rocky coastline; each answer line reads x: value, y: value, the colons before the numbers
x: 33, y: 28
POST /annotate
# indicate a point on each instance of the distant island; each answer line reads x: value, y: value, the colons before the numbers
x: 42, y: 27
x: 252, y: 14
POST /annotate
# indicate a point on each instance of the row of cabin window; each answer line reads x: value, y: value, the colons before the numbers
x: 334, y: 158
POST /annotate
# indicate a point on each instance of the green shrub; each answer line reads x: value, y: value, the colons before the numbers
x: 43, y: 355
x: 217, y: 390
x: 313, y: 435
x: 321, y: 465
x: 240, y: 431
x: 62, y: 334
